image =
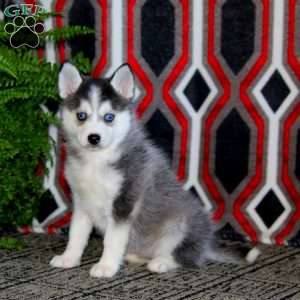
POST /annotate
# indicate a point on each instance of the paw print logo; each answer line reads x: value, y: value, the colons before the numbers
x: 24, y: 31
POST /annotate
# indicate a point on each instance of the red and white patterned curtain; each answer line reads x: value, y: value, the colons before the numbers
x: 218, y: 90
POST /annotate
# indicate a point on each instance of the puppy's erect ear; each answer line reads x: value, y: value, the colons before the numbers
x: 123, y: 81
x: 69, y: 80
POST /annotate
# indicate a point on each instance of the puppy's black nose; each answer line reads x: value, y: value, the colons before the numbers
x: 94, y: 139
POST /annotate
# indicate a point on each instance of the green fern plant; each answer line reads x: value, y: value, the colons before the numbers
x: 26, y: 82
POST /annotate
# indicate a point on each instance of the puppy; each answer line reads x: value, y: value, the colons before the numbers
x: 123, y: 186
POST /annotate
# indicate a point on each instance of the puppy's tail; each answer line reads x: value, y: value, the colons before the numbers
x: 234, y: 253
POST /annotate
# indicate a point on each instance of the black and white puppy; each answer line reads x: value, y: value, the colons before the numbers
x: 122, y: 184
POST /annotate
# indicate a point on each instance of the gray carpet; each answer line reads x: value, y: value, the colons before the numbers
x: 26, y: 274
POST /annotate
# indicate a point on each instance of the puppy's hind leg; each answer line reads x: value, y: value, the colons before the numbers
x: 163, y: 259
x: 162, y: 264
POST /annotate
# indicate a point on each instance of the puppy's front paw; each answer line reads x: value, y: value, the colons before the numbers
x: 64, y: 261
x: 103, y: 270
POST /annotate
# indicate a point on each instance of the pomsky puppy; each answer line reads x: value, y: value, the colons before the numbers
x: 122, y: 185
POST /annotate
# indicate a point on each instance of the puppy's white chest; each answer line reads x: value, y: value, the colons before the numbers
x: 95, y: 185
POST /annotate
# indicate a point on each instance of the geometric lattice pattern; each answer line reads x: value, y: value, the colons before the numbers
x: 157, y: 41
x: 270, y: 208
x: 218, y: 89
x: 197, y: 90
x: 238, y: 30
x: 230, y: 159
x: 275, y: 91
x: 164, y: 138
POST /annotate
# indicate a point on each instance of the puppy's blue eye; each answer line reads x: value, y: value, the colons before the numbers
x: 81, y: 116
x: 108, y: 118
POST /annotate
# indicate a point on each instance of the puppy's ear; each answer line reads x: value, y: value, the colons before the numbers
x: 69, y: 80
x: 123, y: 81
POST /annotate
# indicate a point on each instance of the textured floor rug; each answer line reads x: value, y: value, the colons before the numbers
x: 26, y: 274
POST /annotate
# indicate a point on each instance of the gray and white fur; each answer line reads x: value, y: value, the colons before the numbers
x: 122, y: 184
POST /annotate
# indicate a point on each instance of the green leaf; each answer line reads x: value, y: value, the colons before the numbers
x: 10, y: 243
x: 58, y: 34
x: 26, y: 83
